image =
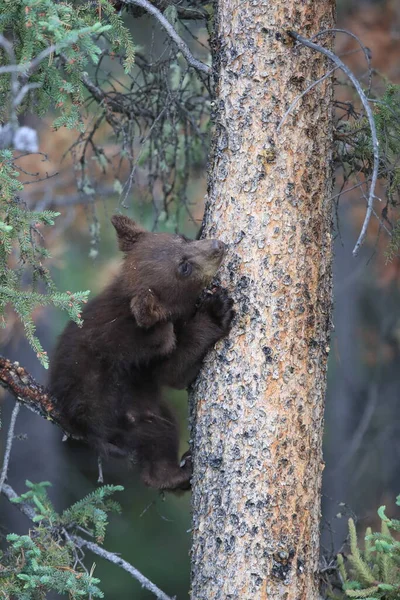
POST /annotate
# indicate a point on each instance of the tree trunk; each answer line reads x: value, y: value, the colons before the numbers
x: 259, y: 400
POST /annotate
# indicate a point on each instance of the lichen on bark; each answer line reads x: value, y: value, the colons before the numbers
x: 258, y: 403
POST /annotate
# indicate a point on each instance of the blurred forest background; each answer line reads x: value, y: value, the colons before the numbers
x: 362, y: 426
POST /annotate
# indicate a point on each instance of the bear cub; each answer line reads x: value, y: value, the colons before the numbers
x: 146, y: 330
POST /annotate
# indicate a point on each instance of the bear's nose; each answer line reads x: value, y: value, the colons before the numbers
x: 218, y: 246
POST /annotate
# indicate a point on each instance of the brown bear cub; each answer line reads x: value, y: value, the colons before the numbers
x: 146, y: 330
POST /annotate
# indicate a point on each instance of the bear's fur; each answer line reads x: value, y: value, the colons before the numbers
x: 144, y: 331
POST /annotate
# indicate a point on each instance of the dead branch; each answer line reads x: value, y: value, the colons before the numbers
x: 300, y: 96
x: 120, y: 562
x: 165, y: 24
x: 184, y: 12
x: 375, y: 143
x: 10, y: 439
x: 116, y: 103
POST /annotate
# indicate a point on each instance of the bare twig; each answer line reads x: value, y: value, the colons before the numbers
x: 115, y: 102
x: 375, y: 143
x: 70, y: 200
x: 150, y: 8
x: 345, y: 191
x: 366, y: 51
x: 10, y: 493
x: 24, y: 90
x: 300, y: 96
x: 183, y: 12
x: 100, y: 478
x: 31, y: 66
x: 120, y: 562
x: 10, y: 439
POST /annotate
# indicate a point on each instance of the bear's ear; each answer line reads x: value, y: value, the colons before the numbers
x: 147, y: 309
x: 127, y: 231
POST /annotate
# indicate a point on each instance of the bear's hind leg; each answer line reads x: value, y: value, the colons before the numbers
x: 168, y: 476
x: 156, y: 443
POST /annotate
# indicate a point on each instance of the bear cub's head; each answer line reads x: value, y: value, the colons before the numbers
x: 163, y: 274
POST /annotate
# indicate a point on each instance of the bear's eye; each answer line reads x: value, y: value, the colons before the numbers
x: 185, y: 269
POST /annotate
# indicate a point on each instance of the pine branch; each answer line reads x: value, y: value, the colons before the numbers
x: 26, y: 68
x: 28, y: 511
x: 27, y: 391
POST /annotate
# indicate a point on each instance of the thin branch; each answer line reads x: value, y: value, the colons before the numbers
x: 10, y: 439
x: 375, y: 142
x: 150, y: 8
x: 184, y: 12
x: 82, y: 543
x: 120, y: 562
x: 19, y: 88
x: 114, y: 104
x: 298, y: 98
x: 69, y: 200
x: 11, y: 494
x: 100, y: 478
x: 27, y: 68
x: 24, y: 90
x: 345, y: 191
x: 33, y: 65
x: 366, y: 51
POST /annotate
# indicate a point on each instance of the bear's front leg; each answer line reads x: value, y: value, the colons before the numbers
x: 211, y: 322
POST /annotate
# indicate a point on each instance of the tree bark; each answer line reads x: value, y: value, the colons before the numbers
x: 258, y: 403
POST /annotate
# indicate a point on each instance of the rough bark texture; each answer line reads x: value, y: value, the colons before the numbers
x: 259, y: 401
x: 31, y: 394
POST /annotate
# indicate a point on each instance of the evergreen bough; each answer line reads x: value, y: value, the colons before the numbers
x: 46, y: 559
x: 79, y: 37
x: 80, y: 31
x: 22, y: 254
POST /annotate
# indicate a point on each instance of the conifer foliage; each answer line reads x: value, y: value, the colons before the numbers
x: 47, y: 36
x: 47, y: 558
x: 374, y: 572
x: 78, y: 37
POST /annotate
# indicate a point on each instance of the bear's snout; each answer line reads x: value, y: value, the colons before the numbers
x: 218, y: 247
